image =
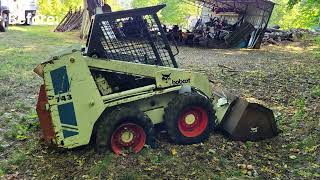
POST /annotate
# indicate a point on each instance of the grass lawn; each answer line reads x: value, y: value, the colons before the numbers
x: 286, y: 78
x: 21, y: 49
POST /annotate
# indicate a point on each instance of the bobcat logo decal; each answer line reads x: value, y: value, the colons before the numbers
x: 166, y: 77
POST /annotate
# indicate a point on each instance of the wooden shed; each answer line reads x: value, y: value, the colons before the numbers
x: 255, y: 12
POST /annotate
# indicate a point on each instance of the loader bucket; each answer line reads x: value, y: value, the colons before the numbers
x: 246, y: 121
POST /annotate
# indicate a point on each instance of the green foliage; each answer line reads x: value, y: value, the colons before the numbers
x: 58, y: 7
x: 21, y: 130
x: 2, y: 171
x: 129, y: 176
x: 300, y: 114
x: 17, y: 61
x: 144, y: 3
x: 176, y: 12
x: 294, y: 14
x: 292, y: 3
x: 317, y: 40
x: 44, y: 7
x: 72, y: 4
x: 316, y: 91
x: 103, y: 165
x: 316, y: 50
x: 1, y: 148
x: 17, y: 158
x: 115, y: 5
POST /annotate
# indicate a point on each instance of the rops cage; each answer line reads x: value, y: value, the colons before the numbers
x: 132, y: 35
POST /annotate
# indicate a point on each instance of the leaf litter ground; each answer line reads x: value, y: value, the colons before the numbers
x: 285, y: 78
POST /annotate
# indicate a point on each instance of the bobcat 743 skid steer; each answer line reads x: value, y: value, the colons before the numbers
x: 126, y: 81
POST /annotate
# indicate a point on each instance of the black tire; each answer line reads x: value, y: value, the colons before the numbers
x: 178, y: 106
x: 3, y: 23
x: 2, y: 28
x: 110, y: 121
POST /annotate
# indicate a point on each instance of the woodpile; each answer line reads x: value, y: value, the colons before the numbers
x: 276, y: 36
x: 80, y: 20
x: 72, y: 21
x: 216, y: 33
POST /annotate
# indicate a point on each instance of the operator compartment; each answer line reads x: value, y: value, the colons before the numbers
x: 134, y: 36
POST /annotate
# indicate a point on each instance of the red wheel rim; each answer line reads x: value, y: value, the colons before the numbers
x: 193, y: 121
x: 128, y: 136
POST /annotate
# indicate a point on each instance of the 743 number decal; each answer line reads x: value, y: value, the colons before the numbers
x: 64, y: 98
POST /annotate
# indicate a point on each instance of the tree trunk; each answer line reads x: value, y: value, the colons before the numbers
x: 91, y: 7
x: 85, y: 27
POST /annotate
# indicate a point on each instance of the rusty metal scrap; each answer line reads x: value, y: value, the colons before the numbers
x: 71, y: 21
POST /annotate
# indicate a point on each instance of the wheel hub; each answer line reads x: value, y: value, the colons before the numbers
x: 190, y: 119
x: 127, y: 136
x: 193, y: 121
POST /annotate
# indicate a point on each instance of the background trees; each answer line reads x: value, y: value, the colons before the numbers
x: 296, y: 14
x: 61, y: 7
x: 58, y: 7
x: 287, y: 13
x: 176, y: 12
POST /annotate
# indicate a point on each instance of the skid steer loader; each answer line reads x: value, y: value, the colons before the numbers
x: 125, y: 81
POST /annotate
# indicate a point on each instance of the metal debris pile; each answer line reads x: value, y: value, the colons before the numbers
x: 228, y: 24
x: 216, y: 33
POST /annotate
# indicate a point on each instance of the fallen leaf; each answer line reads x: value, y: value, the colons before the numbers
x: 294, y: 150
x: 249, y: 167
x: 173, y: 152
x: 212, y: 151
x: 293, y: 157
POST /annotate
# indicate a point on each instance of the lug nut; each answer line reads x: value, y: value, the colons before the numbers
x: 72, y: 60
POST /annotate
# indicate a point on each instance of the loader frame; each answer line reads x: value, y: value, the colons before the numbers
x: 76, y: 104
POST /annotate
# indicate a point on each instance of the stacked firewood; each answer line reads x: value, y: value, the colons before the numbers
x: 276, y: 36
x: 71, y: 21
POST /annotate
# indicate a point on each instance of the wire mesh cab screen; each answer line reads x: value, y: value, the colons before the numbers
x: 133, y: 35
